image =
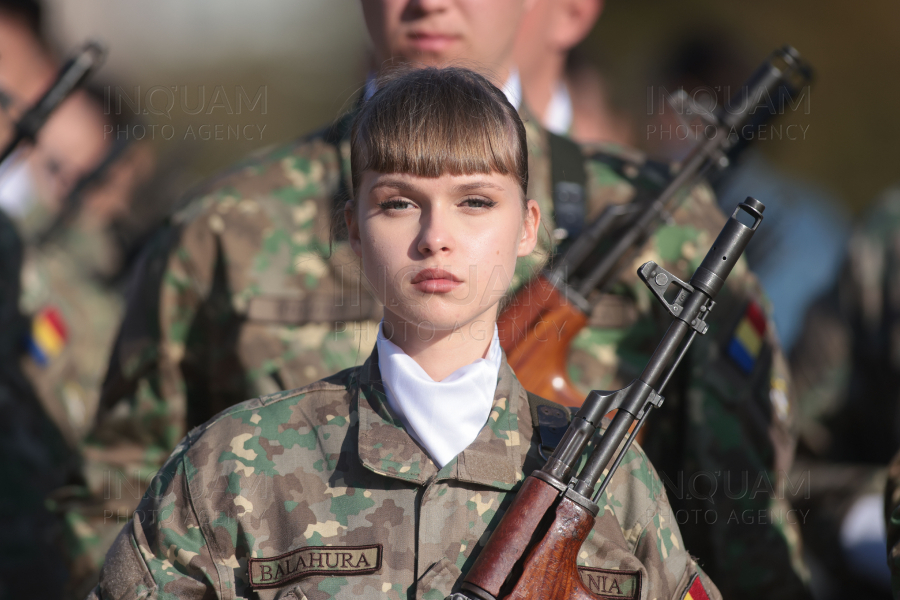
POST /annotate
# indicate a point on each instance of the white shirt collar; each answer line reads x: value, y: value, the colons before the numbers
x: 513, y: 88
x: 444, y: 417
x: 558, y: 116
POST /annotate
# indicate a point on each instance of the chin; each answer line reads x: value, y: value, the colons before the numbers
x: 426, y: 322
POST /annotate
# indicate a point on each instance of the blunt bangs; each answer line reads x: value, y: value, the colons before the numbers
x: 429, y: 122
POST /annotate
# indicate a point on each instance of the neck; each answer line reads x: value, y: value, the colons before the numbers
x: 539, y: 82
x: 497, y: 74
x: 440, y: 352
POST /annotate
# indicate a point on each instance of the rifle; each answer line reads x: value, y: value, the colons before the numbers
x: 532, y: 552
x: 557, y: 300
x: 74, y: 73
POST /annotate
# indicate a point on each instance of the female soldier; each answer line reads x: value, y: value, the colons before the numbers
x: 385, y: 480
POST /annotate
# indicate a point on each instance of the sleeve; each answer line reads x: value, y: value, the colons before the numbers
x: 143, y: 411
x: 162, y: 552
x: 650, y: 524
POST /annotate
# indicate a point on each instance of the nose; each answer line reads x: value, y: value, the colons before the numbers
x: 435, y: 237
x: 419, y: 8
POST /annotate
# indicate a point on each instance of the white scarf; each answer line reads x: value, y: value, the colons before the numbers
x: 443, y: 416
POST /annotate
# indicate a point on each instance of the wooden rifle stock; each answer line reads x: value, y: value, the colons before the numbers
x: 554, y: 552
x: 539, y: 325
x: 536, y: 331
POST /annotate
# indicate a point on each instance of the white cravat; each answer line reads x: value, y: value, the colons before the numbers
x: 443, y: 416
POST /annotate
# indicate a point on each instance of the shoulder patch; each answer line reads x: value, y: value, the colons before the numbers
x: 48, y: 335
x: 748, y: 338
x: 611, y: 583
x: 695, y: 591
x: 314, y: 560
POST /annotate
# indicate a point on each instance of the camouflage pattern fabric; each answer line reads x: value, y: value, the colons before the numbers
x: 74, y: 310
x: 69, y: 275
x: 320, y: 493
x: 892, y: 519
x: 242, y: 296
x: 852, y: 348
x: 33, y: 455
x: 847, y: 368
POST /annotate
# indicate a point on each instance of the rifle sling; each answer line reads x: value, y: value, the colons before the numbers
x: 549, y: 419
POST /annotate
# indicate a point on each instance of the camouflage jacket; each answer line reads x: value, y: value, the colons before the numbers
x: 74, y: 312
x: 848, y: 362
x: 847, y: 367
x: 34, y: 457
x: 242, y: 296
x: 892, y: 519
x: 321, y: 493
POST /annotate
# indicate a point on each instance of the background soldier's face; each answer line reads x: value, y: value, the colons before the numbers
x: 478, y: 33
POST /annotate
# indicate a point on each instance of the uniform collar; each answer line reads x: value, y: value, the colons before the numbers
x: 495, y: 459
x: 558, y: 116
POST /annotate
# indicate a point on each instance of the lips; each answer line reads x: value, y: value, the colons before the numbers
x: 424, y: 41
x: 435, y: 281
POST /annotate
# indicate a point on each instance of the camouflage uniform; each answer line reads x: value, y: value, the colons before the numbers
x: 321, y: 493
x: 70, y: 279
x: 71, y: 275
x: 240, y: 297
x: 33, y: 456
x: 892, y: 518
x: 847, y: 370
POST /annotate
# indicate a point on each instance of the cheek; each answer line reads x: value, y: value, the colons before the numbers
x: 383, y: 256
x: 494, y: 256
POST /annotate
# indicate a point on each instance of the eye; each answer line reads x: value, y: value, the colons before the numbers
x: 477, y: 202
x: 395, y: 205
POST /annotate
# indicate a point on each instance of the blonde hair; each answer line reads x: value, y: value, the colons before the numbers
x: 429, y: 122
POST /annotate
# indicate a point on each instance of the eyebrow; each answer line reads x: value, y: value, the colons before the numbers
x: 476, y: 185
x: 462, y: 188
x: 397, y: 184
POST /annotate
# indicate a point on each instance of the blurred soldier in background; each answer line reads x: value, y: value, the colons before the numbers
x: 798, y: 256
x: 242, y: 295
x: 553, y: 85
x: 34, y: 459
x: 558, y: 83
x: 847, y: 366
x: 70, y: 195
x: 69, y: 255
x: 799, y: 252
x: 892, y: 518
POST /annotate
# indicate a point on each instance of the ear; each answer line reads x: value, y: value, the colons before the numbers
x: 352, y: 222
x: 575, y: 20
x: 529, y: 228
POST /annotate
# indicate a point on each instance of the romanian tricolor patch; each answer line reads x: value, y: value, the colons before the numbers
x: 696, y: 591
x: 747, y: 339
x: 48, y: 335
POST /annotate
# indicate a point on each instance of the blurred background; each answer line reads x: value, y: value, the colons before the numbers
x: 306, y: 58
x: 310, y: 57
x: 190, y: 87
